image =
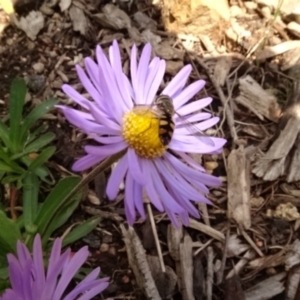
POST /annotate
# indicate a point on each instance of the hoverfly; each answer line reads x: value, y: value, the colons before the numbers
x: 165, y: 112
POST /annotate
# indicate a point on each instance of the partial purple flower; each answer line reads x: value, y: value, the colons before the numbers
x: 171, y: 179
x: 30, y: 281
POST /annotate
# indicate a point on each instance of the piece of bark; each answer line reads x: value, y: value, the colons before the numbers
x: 186, y: 266
x: 238, y: 176
x: 233, y: 289
x: 267, y: 288
x: 207, y: 230
x: 292, y: 291
x: 113, y: 17
x: 292, y: 257
x: 222, y: 69
x: 164, y: 281
x: 139, y: 264
x: 198, y: 279
x: 250, y: 254
x: 255, y: 98
x: 79, y: 20
x: 276, y: 50
x: 283, y: 156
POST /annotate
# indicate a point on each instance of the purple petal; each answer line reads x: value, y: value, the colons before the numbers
x: 94, y: 291
x: 138, y: 199
x: 38, y: 265
x: 206, y: 179
x: 142, y: 73
x: 102, y: 118
x: 186, y: 120
x: 88, y: 85
x: 93, y: 71
x: 163, y: 193
x: 188, y: 93
x: 194, y: 106
x: 70, y: 269
x: 149, y: 187
x: 129, y: 203
x: 178, y: 82
x: 87, y: 162
x: 107, y: 139
x: 116, y: 178
x: 106, y: 150
x: 134, y: 164
x: 154, y: 78
x: 74, y: 95
x: 133, y: 71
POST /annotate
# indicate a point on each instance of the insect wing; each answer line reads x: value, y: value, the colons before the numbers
x: 196, y: 131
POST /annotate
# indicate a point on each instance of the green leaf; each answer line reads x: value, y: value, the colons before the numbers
x: 4, y: 156
x: 54, y: 202
x: 30, y: 199
x: 4, y: 272
x: 10, y: 179
x: 81, y: 230
x: 5, y: 167
x: 35, y: 115
x: 40, y: 142
x: 16, y: 103
x: 42, y: 172
x: 9, y: 234
x: 42, y: 158
x: 36, y: 145
x: 36, y: 132
x: 62, y: 216
x: 4, y: 136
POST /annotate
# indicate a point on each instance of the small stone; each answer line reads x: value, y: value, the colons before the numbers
x: 38, y: 67
x: 236, y: 11
x: 294, y: 28
x: 112, y: 251
x: 104, y: 247
x: 250, y: 6
x: 210, y: 165
x: 46, y: 10
x: 266, y: 12
x: 36, y: 82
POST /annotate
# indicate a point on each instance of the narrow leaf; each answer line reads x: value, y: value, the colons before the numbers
x: 4, y: 156
x: 81, y: 230
x: 42, y: 158
x: 16, y: 103
x: 4, y: 136
x: 54, y: 202
x: 30, y: 199
x: 40, y: 142
x: 9, y: 234
x: 35, y: 115
x: 62, y: 216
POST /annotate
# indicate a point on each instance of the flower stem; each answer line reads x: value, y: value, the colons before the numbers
x: 158, y: 248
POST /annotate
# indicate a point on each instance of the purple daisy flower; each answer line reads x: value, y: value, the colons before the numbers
x: 170, y: 181
x: 30, y: 282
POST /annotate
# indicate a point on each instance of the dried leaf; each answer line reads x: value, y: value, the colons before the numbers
x: 165, y: 281
x: 64, y: 4
x: 79, y: 20
x: 144, y: 21
x: 139, y: 264
x: 32, y: 24
x: 266, y: 289
x: 113, y: 17
x: 238, y: 176
x: 233, y: 289
x: 255, y: 98
x: 186, y: 265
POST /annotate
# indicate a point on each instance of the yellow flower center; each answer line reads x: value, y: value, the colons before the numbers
x: 141, y: 132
